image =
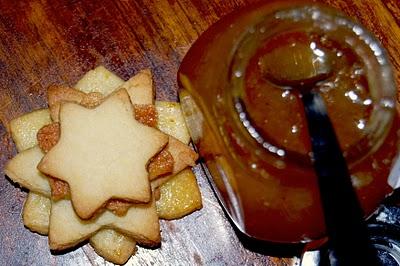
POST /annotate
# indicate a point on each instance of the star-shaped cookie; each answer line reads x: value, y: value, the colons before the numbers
x: 67, y: 229
x: 102, y: 153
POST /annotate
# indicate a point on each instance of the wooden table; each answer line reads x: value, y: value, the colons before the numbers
x: 56, y: 41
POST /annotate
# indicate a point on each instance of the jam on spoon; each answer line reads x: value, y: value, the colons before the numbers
x: 347, y: 232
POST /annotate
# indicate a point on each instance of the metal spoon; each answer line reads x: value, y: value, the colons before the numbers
x: 348, y: 242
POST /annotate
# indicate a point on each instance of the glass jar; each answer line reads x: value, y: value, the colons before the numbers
x: 252, y: 134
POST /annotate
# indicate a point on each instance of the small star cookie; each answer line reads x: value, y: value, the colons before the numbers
x: 102, y: 154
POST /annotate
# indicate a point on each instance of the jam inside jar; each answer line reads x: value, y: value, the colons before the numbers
x: 252, y: 134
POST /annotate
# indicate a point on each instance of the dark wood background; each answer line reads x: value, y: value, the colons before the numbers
x: 56, y: 41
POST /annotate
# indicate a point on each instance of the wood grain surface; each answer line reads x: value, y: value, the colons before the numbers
x: 55, y: 41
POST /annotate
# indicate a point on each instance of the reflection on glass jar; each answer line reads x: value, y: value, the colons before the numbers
x: 252, y: 133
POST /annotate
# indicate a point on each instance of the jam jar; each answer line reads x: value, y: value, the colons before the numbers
x: 252, y: 134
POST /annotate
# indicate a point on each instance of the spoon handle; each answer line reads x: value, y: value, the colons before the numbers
x: 348, y: 237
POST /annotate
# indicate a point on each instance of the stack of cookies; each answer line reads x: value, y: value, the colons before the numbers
x: 103, y: 163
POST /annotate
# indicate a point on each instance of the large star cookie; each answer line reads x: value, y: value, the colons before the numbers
x: 102, y: 154
x: 67, y: 229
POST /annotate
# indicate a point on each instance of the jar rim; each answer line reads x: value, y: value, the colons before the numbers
x: 331, y: 23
